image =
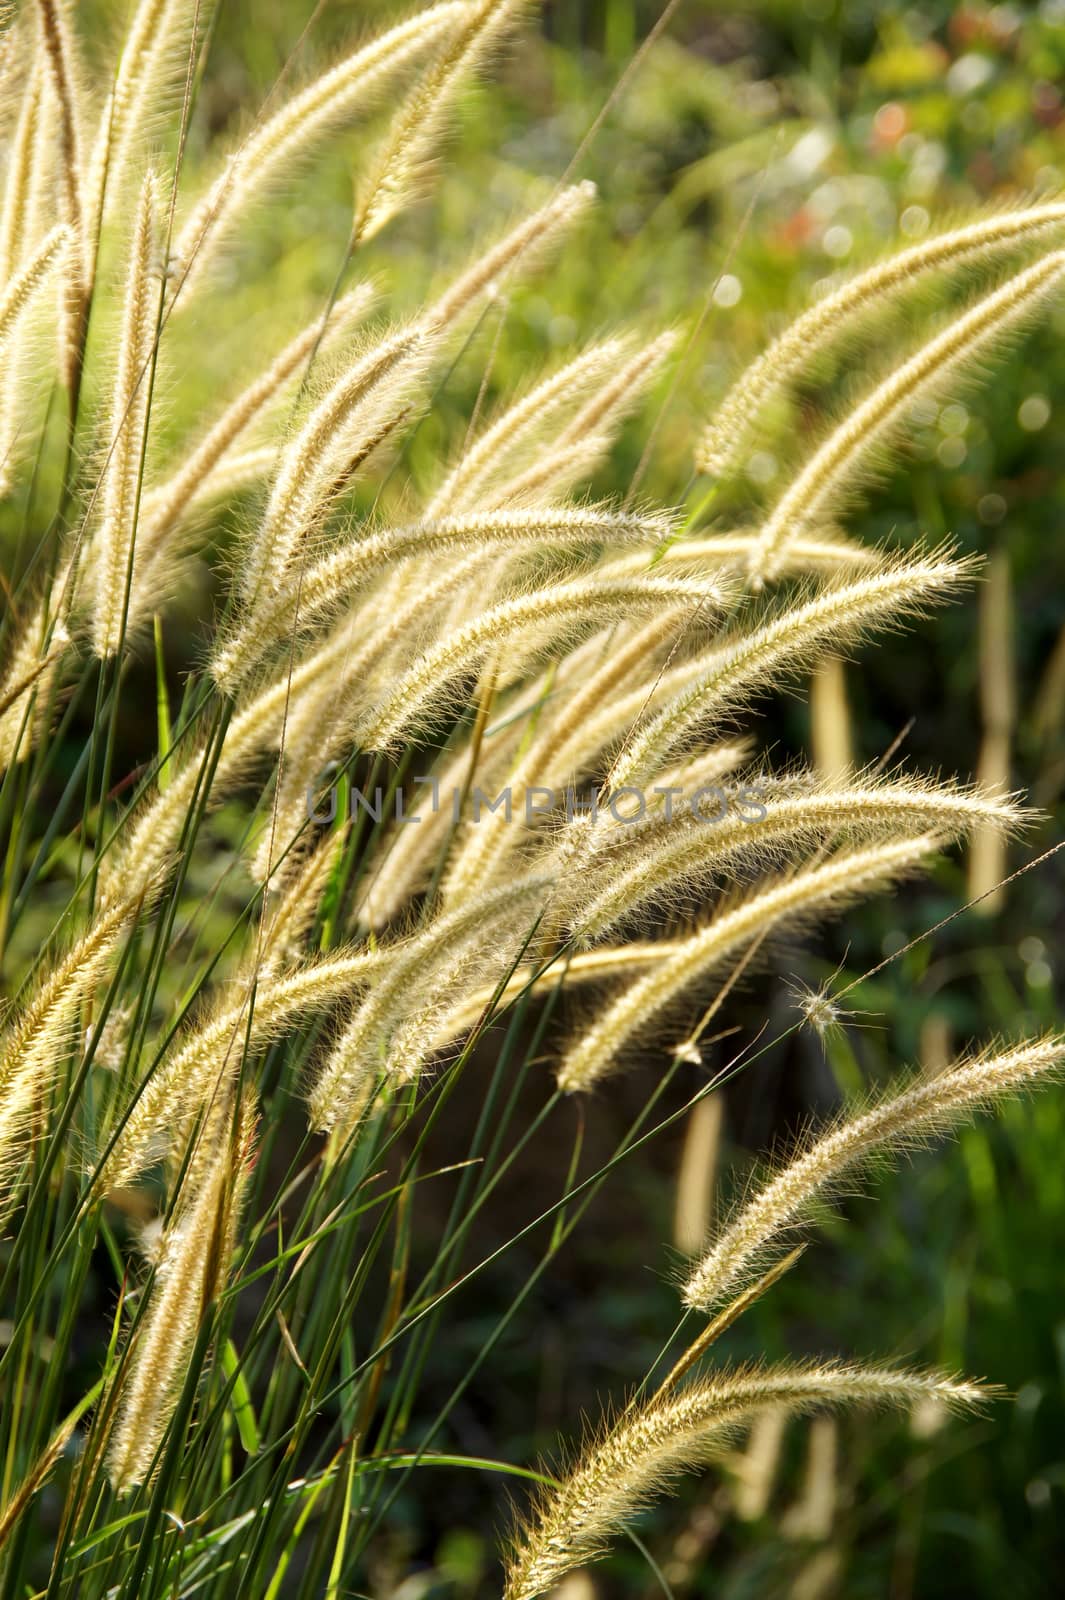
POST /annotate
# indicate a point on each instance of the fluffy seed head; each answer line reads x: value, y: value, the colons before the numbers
x: 726, y: 438
x: 925, y: 1107
x: 631, y: 1463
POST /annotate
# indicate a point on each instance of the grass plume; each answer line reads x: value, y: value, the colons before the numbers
x: 923, y: 1108
x: 649, y: 1447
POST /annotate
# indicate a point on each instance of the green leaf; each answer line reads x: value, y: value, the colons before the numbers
x: 240, y: 1399
x: 162, y: 704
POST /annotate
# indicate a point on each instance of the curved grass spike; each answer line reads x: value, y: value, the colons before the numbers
x: 351, y: 410
x: 573, y: 454
x: 17, y: 222
x: 36, y: 1041
x: 521, y: 426
x: 818, y: 554
x: 524, y: 245
x: 553, y: 612
x: 416, y: 132
x: 832, y: 469
x: 192, y: 1261
x: 630, y: 1463
x: 207, y: 1059
x: 490, y: 928
x: 115, y: 539
x: 276, y: 146
x: 617, y: 724
x: 789, y: 642
x: 921, y: 1109
x: 725, y: 441
x: 150, y: 832
x: 521, y: 429
x: 150, y: 69
x: 165, y: 503
x: 62, y: 69
x: 325, y: 586
x: 634, y: 864
x: 24, y: 284
x: 811, y: 892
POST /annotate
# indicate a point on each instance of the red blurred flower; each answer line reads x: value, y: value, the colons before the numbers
x: 891, y: 121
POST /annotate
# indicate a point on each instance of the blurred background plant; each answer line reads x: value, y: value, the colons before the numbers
x: 754, y: 151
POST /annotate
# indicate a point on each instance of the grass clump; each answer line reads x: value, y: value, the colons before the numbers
x: 238, y: 1008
